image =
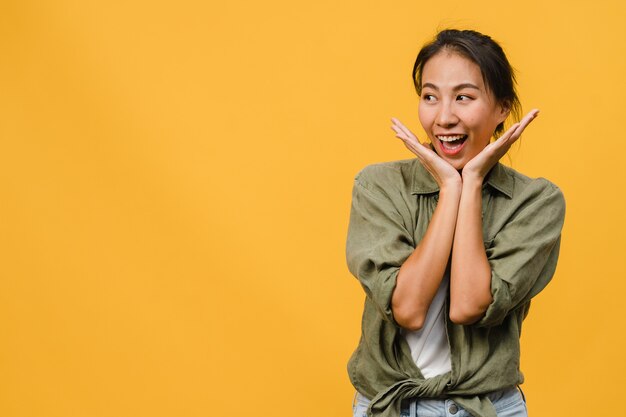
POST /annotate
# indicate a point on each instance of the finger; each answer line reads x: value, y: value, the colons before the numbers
x: 397, y: 131
x: 516, y: 130
x: 410, y: 137
x: 528, y: 118
x: 422, y: 150
x: 400, y: 135
x: 404, y: 139
x: 409, y: 142
x: 397, y: 123
x: 501, y: 145
x: 507, y: 134
x: 532, y: 115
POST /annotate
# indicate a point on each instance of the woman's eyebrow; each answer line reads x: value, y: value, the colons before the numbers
x: 466, y: 85
x: 456, y: 88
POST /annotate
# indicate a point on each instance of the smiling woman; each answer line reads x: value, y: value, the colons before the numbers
x: 450, y: 246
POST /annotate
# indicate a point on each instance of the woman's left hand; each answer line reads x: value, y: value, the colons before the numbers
x: 480, y: 165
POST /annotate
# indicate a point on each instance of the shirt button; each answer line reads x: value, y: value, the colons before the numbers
x: 453, y: 409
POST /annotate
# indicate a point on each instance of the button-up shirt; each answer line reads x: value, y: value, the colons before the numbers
x: 392, y: 205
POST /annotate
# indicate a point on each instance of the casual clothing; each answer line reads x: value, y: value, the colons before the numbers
x: 507, y: 403
x: 392, y: 205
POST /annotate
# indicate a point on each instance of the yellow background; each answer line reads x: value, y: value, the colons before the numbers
x: 175, y: 190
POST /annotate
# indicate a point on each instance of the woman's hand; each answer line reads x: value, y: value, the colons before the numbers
x: 443, y: 173
x: 480, y: 165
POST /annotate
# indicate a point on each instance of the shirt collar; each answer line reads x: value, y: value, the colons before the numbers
x: 498, y: 178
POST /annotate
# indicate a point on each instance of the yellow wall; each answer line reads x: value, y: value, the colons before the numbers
x: 175, y: 183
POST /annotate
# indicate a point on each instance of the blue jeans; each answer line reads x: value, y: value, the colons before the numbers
x: 508, y: 403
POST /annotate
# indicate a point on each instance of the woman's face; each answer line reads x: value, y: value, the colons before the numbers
x: 456, y: 110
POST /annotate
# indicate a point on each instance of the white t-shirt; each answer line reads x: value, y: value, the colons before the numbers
x: 429, y: 345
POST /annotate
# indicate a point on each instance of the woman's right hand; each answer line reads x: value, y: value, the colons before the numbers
x: 444, y: 174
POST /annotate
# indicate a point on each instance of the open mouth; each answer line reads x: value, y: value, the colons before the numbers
x: 451, y: 144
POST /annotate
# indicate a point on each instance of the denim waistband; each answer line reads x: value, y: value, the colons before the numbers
x: 501, y: 400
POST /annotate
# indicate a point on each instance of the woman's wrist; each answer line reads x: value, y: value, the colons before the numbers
x: 472, y: 181
x: 451, y: 186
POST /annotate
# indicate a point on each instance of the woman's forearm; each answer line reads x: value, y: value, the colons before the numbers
x: 422, y: 272
x: 470, y: 273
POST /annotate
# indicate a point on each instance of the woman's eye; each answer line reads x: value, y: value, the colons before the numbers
x: 463, y: 97
x: 429, y: 97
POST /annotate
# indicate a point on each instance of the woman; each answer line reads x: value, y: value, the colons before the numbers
x: 450, y: 246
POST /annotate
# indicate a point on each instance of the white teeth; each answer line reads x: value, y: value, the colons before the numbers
x: 450, y: 138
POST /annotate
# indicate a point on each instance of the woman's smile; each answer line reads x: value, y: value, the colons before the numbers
x: 451, y: 144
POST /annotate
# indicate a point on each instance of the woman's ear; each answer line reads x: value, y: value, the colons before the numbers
x: 505, y: 109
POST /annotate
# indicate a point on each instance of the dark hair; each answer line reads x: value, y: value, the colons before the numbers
x: 498, y: 75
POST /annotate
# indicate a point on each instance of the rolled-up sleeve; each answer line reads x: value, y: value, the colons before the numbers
x: 378, y: 243
x: 523, y: 254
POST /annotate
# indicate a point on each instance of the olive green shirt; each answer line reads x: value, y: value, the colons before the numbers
x: 392, y: 205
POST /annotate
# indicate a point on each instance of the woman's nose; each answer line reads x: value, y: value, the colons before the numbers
x: 446, y: 115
